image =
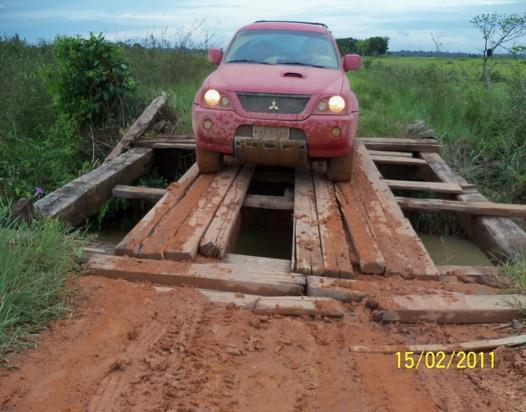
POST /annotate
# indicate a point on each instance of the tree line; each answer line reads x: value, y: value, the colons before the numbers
x: 373, y: 46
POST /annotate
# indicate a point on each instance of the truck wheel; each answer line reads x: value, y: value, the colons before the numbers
x: 207, y: 161
x: 339, y: 169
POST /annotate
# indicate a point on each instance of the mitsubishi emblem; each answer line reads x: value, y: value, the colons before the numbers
x: 273, y: 106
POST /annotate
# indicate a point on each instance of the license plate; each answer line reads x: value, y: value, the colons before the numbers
x: 275, y: 133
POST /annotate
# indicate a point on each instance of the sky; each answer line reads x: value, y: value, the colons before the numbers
x: 408, y: 23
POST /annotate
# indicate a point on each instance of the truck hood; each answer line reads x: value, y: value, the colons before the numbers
x: 262, y: 78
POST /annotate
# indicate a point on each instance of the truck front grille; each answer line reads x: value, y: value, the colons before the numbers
x: 273, y: 103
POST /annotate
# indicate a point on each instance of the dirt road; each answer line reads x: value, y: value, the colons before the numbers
x: 132, y: 347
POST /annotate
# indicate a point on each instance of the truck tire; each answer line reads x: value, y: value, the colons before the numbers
x: 207, y: 161
x: 339, y: 169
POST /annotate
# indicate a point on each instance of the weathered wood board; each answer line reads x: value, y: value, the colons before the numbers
x: 269, y: 202
x: 438, y: 187
x: 307, y: 247
x: 138, y: 192
x: 214, y: 276
x: 78, y: 199
x: 185, y: 242
x: 298, y: 306
x: 401, y: 145
x: 398, y: 160
x: 219, y: 235
x: 334, y: 247
x: 339, y: 289
x: 471, y: 208
x: 132, y: 242
x: 451, y: 308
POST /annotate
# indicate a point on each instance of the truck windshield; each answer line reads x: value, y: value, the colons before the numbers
x: 283, y: 47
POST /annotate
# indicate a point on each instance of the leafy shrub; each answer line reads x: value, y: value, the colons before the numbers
x: 90, y: 81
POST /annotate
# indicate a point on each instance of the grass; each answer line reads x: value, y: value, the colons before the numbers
x: 35, y: 262
x: 515, y: 272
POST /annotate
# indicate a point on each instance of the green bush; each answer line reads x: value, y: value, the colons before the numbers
x: 90, y: 81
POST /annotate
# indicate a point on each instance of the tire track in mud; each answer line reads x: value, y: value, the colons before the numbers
x: 140, y: 378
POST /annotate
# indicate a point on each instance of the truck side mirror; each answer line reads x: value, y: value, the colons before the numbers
x: 352, y: 62
x: 215, y: 55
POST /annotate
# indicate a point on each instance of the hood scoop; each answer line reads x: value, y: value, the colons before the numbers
x: 293, y: 74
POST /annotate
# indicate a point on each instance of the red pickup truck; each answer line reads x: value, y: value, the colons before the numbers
x: 280, y: 96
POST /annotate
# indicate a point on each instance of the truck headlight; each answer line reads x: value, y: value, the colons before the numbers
x: 336, y: 104
x: 212, y: 97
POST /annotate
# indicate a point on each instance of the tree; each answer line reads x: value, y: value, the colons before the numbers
x: 373, y: 46
x: 497, y: 30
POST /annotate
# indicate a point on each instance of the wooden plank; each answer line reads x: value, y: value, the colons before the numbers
x: 334, y: 247
x: 402, y: 145
x: 218, y: 236
x: 339, y: 289
x: 138, y: 192
x: 140, y: 125
x: 471, y: 346
x: 269, y: 202
x: 180, y: 146
x: 242, y: 300
x: 262, y: 263
x: 438, y: 187
x: 472, y: 208
x: 131, y: 243
x: 390, y: 153
x: 307, y: 248
x: 155, y: 244
x: 214, y: 276
x: 298, y: 306
x: 96, y: 248
x: 78, y: 199
x: 403, y: 250
x: 451, y: 308
x: 499, y: 237
x: 367, y: 251
x: 185, y: 243
x: 398, y: 160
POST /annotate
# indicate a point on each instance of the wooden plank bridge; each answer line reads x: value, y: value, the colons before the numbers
x: 340, y: 231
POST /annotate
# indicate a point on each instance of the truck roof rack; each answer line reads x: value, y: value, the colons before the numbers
x: 292, y: 21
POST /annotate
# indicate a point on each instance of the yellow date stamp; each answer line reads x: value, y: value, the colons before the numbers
x: 445, y: 360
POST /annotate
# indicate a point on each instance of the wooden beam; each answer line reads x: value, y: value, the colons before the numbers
x: 402, y: 145
x: 219, y: 235
x: 214, y: 276
x: 75, y: 201
x: 451, y: 308
x: 398, y: 160
x: 298, y: 306
x: 180, y: 146
x: 138, y: 192
x: 242, y: 300
x: 471, y: 346
x: 401, y: 247
x: 132, y: 243
x: 499, y: 237
x: 334, y: 247
x: 261, y: 263
x: 140, y: 125
x: 269, y: 202
x: 185, y: 243
x: 438, y: 187
x: 307, y: 248
x: 367, y: 251
x: 390, y: 153
x: 339, y: 289
x: 472, y: 208
x: 96, y: 248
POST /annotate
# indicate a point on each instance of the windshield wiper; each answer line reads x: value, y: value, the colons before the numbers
x: 305, y: 64
x: 247, y: 61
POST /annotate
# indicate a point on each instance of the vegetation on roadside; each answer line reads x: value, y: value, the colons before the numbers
x: 35, y: 262
x: 516, y: 276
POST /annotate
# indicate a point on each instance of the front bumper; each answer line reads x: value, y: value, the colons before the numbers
x: 317, y: 128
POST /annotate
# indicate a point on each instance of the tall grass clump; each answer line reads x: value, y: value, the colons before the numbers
x: 35, y: 261
x: 515, y: 273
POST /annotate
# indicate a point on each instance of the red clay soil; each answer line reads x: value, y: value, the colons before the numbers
x: 130, y: 347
